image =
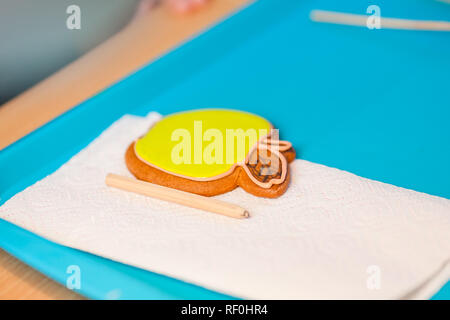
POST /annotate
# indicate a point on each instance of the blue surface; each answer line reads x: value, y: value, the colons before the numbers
x: 373, y: 102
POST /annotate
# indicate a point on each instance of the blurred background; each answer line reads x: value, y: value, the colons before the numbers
x: 35, y: 41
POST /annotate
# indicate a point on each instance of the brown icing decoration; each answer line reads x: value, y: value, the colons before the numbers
x: 265, y: 164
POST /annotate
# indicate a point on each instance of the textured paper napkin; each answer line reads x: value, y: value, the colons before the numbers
x: 332, y: 235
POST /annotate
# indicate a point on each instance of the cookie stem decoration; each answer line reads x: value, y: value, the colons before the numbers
x: 213, y: 151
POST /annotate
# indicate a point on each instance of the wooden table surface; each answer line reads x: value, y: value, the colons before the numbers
x: 145, y: 39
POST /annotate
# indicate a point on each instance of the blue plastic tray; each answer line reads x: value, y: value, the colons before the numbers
x: 373, y: 102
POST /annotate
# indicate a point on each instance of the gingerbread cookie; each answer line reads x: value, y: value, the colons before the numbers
x: 212, y: 151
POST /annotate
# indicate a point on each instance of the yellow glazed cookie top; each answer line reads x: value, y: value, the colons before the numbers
x: 201, y: 143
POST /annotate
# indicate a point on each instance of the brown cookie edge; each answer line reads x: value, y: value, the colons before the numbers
x: 238, y: 177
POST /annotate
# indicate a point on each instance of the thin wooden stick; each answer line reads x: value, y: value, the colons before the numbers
x: 386, y: 23
x: 177, y: 196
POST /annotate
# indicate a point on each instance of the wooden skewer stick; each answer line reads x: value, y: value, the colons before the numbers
x: 386, y: 23
x: 177, y: 196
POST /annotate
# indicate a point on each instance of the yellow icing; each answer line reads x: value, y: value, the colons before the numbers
x: 194, y: 138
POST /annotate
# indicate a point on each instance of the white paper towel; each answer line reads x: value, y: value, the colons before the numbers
x: 332, y: 235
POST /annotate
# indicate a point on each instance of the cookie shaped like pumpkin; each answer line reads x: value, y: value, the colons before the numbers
x: 212, y: 151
